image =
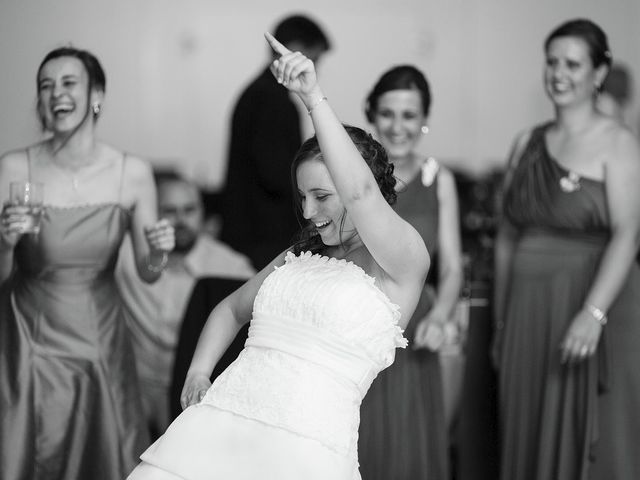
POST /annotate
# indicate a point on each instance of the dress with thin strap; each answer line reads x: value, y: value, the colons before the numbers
x: 402, y: 429
x: 562, y: 421
x: 69, y: 403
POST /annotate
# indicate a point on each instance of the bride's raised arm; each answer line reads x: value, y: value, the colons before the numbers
x: 394, y: 244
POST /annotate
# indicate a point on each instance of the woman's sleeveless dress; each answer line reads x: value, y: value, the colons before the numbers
x: 288, y: 407
x: 563, y: 421
x: 403, y: 429
x: 69, y: 402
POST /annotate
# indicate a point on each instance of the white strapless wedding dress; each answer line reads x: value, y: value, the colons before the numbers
x: 288, y: 407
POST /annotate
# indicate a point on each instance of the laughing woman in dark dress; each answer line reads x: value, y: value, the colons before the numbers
x: 567, y: 283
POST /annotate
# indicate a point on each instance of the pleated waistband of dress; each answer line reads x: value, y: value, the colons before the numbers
x: 315, y: 345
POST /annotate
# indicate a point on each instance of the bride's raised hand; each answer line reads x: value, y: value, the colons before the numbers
x: 293, y: 70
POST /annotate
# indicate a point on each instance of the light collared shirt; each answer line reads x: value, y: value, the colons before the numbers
x: 154, y: 311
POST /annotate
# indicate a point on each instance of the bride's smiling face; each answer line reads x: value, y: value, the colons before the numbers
x: 321, y: 205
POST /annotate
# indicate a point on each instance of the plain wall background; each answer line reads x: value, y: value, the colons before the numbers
x: 174, y: 68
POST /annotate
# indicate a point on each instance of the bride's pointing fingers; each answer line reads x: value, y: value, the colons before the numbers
x: 302, y: 65
x: 277, y: 47
x: 291, y: 66
x: 292, y: 69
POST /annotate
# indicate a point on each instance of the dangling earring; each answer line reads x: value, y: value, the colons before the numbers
x: 424, y: 129
x: 96, y: 108
x: 597, y: 88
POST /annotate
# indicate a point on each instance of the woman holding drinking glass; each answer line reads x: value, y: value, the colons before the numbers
x: 69, y: 405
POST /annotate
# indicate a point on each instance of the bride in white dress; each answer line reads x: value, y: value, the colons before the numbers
x: 326, y: 317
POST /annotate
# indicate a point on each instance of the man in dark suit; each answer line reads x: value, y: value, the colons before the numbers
x: 258, y: 217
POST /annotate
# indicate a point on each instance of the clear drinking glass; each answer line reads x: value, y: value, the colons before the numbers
x: 29, y: 195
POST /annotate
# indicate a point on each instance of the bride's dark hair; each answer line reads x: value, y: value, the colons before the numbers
x: 373, y: 154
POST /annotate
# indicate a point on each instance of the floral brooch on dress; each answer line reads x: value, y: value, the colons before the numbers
x: 570, y: 182
x: 430, y: 169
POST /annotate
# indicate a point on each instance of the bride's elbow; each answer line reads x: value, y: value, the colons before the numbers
x: 423, y: 259
x: 360, y: 193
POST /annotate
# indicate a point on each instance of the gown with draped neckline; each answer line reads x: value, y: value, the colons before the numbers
x: 564, y: 421
x: 288, y: 407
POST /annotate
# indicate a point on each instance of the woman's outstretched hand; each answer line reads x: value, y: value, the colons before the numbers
x: 12, y: 223
x: 295, y: 71
x: 194, y: 389
x: 430, y: 332
x: 582, y: 338
x: 161, y: 236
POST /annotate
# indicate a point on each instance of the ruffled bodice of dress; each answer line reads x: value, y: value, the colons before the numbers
x: 321, y: 331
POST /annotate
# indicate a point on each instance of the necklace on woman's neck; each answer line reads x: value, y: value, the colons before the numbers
x: 351, y: 245
x: 405, y: 170
x: 74, y: 182
x: 70, y: 168
x: 71, y: 173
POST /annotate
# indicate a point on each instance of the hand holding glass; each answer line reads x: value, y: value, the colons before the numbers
x: 30, y: 196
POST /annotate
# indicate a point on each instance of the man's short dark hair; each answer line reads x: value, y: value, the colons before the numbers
x: 302, y: 29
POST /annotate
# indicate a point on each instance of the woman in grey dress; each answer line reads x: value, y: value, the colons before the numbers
x: 69, y: 402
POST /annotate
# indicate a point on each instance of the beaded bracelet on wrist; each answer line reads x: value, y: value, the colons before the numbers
x: 312, y: 107
x: 598, y: 314
x: 157, y: 268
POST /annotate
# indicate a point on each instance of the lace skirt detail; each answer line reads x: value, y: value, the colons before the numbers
x: 290, y: 393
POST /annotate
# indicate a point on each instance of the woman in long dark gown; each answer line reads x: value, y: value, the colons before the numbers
x: 69, y: 402
x: 569, y: 379
x: 403, y: 431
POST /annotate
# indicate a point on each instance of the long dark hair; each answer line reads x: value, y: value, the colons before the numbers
x: 373, y: 154
x: 95, y: 73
